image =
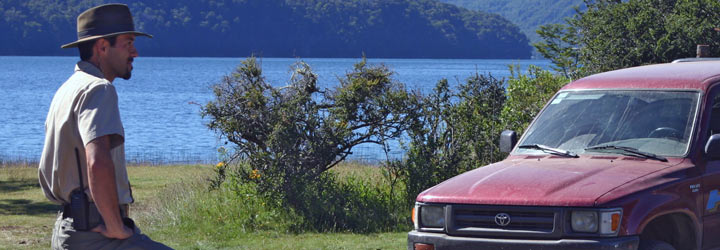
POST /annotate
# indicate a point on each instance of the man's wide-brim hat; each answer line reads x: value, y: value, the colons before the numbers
x: 104, y: 21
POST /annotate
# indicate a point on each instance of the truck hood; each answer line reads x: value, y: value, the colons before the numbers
x: 543, y: 181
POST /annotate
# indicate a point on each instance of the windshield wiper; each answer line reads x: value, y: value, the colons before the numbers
x: 555, y: 151
x: 626, y: 150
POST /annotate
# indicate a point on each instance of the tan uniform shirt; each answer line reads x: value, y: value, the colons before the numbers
x: 85, y: 107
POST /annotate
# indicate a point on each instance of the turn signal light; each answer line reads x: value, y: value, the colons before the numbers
x: 413, y: 215
x: 610, y: 221
x: 615, y: 222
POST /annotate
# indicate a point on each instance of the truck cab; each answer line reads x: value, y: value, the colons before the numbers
x: 626, y: 159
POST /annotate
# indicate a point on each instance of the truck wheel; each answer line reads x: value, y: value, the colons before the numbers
x: 655, y: 245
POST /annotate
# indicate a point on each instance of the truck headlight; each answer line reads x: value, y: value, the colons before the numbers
x: 432, y: 216
x: 605, y: 222
x: 584, y: 221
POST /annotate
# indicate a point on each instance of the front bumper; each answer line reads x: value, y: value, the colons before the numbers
x: 443, y: 241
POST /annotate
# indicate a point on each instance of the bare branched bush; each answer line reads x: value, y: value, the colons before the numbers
x: 291, y: 136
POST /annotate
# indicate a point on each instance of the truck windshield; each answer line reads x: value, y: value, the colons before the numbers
x: 651, y: 121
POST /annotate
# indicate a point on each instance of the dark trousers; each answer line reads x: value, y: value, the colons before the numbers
x: 66, y: 237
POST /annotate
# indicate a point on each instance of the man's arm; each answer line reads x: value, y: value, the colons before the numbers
x: 103, y: 188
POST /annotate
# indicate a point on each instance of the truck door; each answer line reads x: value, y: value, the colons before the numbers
x: 711, y: 180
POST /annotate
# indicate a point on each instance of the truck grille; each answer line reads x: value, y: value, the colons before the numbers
x: 470, y: 220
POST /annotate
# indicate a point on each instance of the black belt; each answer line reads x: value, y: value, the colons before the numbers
x: 94, y: 217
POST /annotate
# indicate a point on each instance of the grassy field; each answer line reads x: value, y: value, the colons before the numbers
x: 26, y: 217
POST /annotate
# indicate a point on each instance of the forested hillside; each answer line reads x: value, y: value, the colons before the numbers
x: 526, y: 14
x: 276, y: 28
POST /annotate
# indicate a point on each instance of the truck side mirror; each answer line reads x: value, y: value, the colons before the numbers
x: 712, y: 148
x: 508, y: 139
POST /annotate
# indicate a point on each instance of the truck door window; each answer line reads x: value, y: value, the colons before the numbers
x: 715, y: 113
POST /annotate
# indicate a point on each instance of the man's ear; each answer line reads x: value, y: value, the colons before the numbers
x: 101, y: 46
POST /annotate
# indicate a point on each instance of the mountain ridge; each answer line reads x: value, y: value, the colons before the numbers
x: 277, y: 28
x: 528, y: 15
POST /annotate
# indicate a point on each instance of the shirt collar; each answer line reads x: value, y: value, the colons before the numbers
x: 89, y: 68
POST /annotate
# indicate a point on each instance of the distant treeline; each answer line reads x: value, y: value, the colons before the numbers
x: 526, y: 14
x: 276, y: 28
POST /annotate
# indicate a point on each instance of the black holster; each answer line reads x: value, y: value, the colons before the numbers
x: 79, y: 210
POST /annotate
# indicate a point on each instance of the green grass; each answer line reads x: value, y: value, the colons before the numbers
x: 371, y: 173
x: 26, y: 217
x: 174, y: 206
x: 275, y: 240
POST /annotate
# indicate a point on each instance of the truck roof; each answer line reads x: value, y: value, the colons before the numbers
x: 685, y: 75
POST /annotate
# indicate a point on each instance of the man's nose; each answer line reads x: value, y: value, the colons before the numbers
x: 133, y: 51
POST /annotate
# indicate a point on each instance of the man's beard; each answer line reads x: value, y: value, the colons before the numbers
x: 128, y: 73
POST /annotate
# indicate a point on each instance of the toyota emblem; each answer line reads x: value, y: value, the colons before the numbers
x: 502, y: 219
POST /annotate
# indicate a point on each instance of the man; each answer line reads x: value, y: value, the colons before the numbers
x: 83, y: 161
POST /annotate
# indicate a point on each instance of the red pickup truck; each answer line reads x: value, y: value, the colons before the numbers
x: 627, y: 159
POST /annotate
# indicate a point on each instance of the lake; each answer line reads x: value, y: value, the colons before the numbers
x: 160, y: 105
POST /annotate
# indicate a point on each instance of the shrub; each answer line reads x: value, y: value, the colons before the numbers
x: 455, y: 133
x: 460, y: 132
x: 527, y: 94
x: 354, y: 205
x: 289, y: 137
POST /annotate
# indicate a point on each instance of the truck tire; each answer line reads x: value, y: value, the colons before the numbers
x: 655, y: 245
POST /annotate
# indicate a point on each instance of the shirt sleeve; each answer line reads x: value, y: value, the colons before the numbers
x: 99, y: 115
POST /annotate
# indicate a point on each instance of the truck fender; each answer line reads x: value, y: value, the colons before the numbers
x: 676, y: 216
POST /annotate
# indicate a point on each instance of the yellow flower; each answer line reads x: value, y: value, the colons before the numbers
x: 254, y: 174
x: 220, y: 164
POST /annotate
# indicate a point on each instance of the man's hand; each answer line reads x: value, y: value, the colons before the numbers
x: 122, y: 234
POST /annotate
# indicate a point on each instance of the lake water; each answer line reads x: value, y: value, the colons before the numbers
x: 160, y: 105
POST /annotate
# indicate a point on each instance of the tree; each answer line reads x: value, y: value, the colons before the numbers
x: 614, y: 34
x: 289, y: 137
x: 559, y: 46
